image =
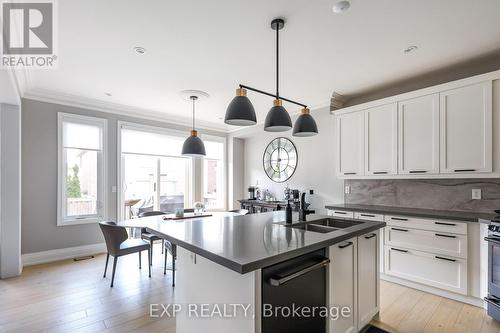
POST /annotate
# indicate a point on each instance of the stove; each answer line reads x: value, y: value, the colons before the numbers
x: 493, y: 239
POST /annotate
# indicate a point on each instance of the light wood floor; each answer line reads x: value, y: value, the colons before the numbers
x: 72, y: 296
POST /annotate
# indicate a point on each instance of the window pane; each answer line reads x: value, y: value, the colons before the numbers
x: 81, y: 182
x: 214, y: 149
x: 139, y: 184
x: 140, y: 142
x: 173, y: 172
x: 81, y: 136
x: 212, y: 178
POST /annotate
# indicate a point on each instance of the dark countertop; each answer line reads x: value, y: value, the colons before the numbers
x: 246, y: 243
x: 417, y: 212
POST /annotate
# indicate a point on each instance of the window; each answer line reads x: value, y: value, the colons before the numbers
x: 213, y: 173
x: 154, y: 174
x: 81, y: 170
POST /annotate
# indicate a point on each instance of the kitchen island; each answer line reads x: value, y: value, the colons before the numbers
x: 231, y: 267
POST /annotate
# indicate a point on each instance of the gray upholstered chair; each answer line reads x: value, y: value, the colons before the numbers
x: 239, y: 211
x: 118, y: 244
x: 149, y: 236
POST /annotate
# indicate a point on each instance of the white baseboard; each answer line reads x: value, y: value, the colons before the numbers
x: 436, y: 291
x: 43, y: 257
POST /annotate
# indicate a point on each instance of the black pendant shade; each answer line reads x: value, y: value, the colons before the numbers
x: 305, y: 124
x: 277, y: 119
x: 240, y: 111
x: 193, y: 146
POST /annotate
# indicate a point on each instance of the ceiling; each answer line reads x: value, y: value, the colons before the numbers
x: 214, y: 45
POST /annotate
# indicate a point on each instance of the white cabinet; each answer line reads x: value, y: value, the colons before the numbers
x: 418, y: 135
x: 342, y: 284
x: 368, y: 278
x: 466, y: 129
x: 427, y: 268
x: 381, y: 140
x: 350, y: 142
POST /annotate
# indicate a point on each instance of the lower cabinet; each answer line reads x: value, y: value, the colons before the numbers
x: 368, y: 277
x: 354, y: 281
x: 342, y: 290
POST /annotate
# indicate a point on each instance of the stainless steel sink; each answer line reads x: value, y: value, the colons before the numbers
x: 324, y: 225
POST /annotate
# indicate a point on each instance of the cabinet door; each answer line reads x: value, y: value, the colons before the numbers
x: 381, y: 140
x: 418, y: 139
x: 350, y: 142
x: 466, y: 129
x: 342, y: 284
x: 368, y: 278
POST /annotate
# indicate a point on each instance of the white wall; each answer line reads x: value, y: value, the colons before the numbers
x: 315, y: 168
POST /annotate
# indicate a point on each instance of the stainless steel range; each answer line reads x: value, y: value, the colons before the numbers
x: 493, y: 240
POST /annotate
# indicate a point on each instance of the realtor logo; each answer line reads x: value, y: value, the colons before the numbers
x: 28, y: 30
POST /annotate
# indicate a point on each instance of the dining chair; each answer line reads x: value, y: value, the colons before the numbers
x: 149, y: 236
x: 172, y: 249
x: 118, y: 244
x: 239, y: 211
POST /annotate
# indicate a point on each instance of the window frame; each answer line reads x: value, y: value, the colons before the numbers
x: 102, y: 169
x: 223, y: 140
x: 190, y: 169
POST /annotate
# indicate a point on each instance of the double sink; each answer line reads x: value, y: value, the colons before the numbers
x: 323, y: 225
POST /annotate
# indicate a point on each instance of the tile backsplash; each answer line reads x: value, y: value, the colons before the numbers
x: 446, y: 194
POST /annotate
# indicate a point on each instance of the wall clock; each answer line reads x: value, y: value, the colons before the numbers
x: 280, y: 159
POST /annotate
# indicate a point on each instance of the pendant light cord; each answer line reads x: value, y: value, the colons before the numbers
x: 277, y: 62
x: 193, y: 99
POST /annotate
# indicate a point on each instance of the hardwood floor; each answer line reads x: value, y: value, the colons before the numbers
x: 72, y: 296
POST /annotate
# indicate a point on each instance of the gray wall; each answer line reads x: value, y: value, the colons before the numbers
x: 447, y: 194
x: 236, y: 171
x: 315, y: 168
x: 10, y: 191
x: 39, y: 174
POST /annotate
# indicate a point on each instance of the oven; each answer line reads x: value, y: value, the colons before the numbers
x: 493, y: 298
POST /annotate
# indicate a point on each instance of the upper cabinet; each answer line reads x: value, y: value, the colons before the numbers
x: 438, y: 132
x: 419, y: 135
x: 466, y: 129
x: 381, y: 140
x: 350, y: 142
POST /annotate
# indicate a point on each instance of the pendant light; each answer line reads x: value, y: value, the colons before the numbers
x: 193, y: 146
x: 240, y: 111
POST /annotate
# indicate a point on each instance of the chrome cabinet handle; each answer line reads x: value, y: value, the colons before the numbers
x: 448, y: 224
x: 399, y: 250
x: 345, y: 245
x: 380, y: 172
x: 418, y: 171
x: 443, y: 258
x: 349, y: 173
x: 447, y: 236
x: 370, y: 236
x: 397, y: 229
x: 464, y: 170
x: 398, y: 219
x: 339, y: 212
x: 367, y: 215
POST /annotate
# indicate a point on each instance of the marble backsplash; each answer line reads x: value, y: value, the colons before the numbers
x: 446, y: 194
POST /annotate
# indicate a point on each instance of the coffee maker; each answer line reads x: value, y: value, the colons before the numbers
x: 251, y: 193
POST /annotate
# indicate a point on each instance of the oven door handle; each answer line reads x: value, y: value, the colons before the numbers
x: 278, y: 281
x: 492, y: 240
x: 493, y: 301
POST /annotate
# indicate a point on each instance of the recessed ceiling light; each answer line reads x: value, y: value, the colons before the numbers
x: 341, y: 6
x: 108, y: 94
x: 410, y: 49
x: 139, y: 50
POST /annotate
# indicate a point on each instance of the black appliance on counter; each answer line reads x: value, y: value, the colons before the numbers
x: 493, y: 239
x: 299, y: 282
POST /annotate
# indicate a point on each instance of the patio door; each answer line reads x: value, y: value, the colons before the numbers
x: 153, y: 174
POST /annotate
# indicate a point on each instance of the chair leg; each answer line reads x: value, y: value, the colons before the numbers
x: 106, y: 266
x: 173, y: 271
x: 114, y: 270
x: 151, y: 255
x: 149, y: 258
x: 165, y: 264
x: 162, y: 246
x: 140, y: 259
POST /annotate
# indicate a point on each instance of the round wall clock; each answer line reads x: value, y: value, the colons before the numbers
x: 280, y: 159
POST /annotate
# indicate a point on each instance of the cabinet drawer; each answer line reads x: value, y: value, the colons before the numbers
x: 340, y: 213
x: 429, y: 241
x: 445, y: 226
x: 369, y: 216
x: 430, y: 269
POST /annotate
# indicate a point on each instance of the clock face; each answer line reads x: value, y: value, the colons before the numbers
x: 280, y: 159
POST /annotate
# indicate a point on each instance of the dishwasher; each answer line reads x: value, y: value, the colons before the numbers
x: 296, y: 283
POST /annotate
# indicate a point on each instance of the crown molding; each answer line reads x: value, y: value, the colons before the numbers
x: 49, y: 96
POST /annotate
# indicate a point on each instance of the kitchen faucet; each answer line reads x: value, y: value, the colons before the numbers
x: 303, y: 211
